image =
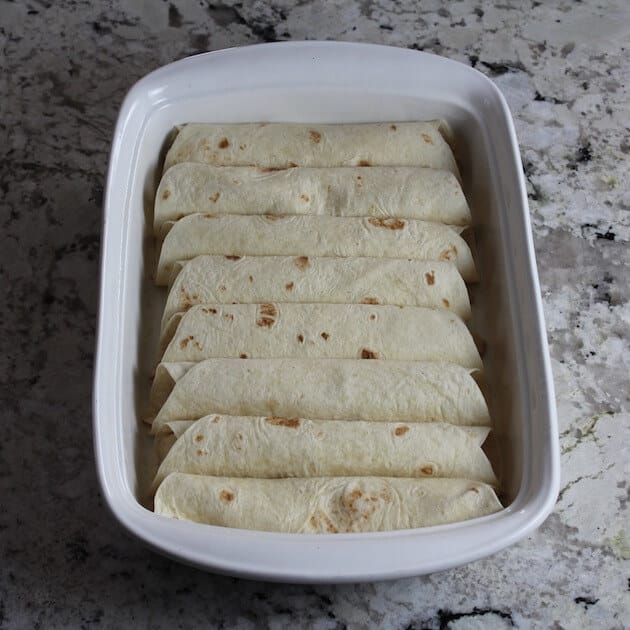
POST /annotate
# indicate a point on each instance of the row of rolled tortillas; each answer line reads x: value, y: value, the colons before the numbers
x: 391, y: 191
x: 283, y: 145
x: 306, y: 435
x: 210, y: 279
x: 336, y: 389
x: 334, y: 331
x: 294, y: 235
x: 323, y: 505
x: 240, y: 446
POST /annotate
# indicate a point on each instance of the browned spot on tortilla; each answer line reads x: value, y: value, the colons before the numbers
x: 251, y: 278
x: 369, y: 300
x: 214, y: 198
x: 198, y: 345
x: 242, y: 147
x: 210, y: 310
x: 274, y: 217
x: 301, y: 262
x: 372, y: 316
x: 208, y: 215
x: 447, y: 253
x: 271, y: 169
x: 474, y: 489
x: 233, y: 257
x: 427, y: 470
x: 389, y: 223
x: 324, y: 522
x: 166, y: 194
x: 401, y: 430
x: 352, y: 497
x: 243, y: 356
x: 222, y: 288
x: 266, y: 315
x: 268, y: 309
x: 226, y: 496
x: 300, y: 338
x: 228, y: 316
x: 200, y: 452
x: 325, y: 336
x: 393, y: 127
x: 184, y: 342
x: 315, y: 136
x: 289, y: 286
x: 224, y: 143
x: 368, y: 354
x: 446, y: 302
x: 304, y: 197
x: 359, y: 177
x: 364, y: 163
x: 187, y: 302
x: 427, y: 138
x: 292, y: 423
x: 291, y: 165
x: 430, y: 277
x: 198, y: 438
x: 216, y: 420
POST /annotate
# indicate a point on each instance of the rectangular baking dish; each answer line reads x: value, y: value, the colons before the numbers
x: 327, y: 82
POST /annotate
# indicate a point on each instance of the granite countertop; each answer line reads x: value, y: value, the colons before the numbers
x: 563, y: 67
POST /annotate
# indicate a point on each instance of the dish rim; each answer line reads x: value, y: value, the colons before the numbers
x: 486, y: 535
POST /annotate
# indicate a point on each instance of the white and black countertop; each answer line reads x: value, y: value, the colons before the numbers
x: 564, y: 68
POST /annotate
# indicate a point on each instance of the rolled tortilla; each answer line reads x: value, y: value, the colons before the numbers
x: 335, y: 389
x: 229, y: 446
x: 323, y: 505
x: 406, y: 192
x: 164, y: 441
x: 236, y: 235
x: 332, y: 331
x: 251, y: 279
x: 282, y: 145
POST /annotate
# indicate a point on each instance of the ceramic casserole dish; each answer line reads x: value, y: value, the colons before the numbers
x: 327, y: 82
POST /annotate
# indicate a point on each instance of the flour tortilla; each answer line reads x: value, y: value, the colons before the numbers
x: 252, y: 279
x: 164, y: 379
x: 237, y: 235
x: 335, y: 389
x: 232, y: 446
x: 164, y: 441
x: 323, y: 505
x: 333, y: 331
x: 282, y: 145
x: 406, y: 192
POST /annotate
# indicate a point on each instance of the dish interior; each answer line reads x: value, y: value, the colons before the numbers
x: 493, y: 298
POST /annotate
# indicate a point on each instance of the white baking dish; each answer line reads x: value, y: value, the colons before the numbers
x: 327, y: 82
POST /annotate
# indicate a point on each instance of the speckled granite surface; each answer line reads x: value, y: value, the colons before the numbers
x: 564, y: 68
